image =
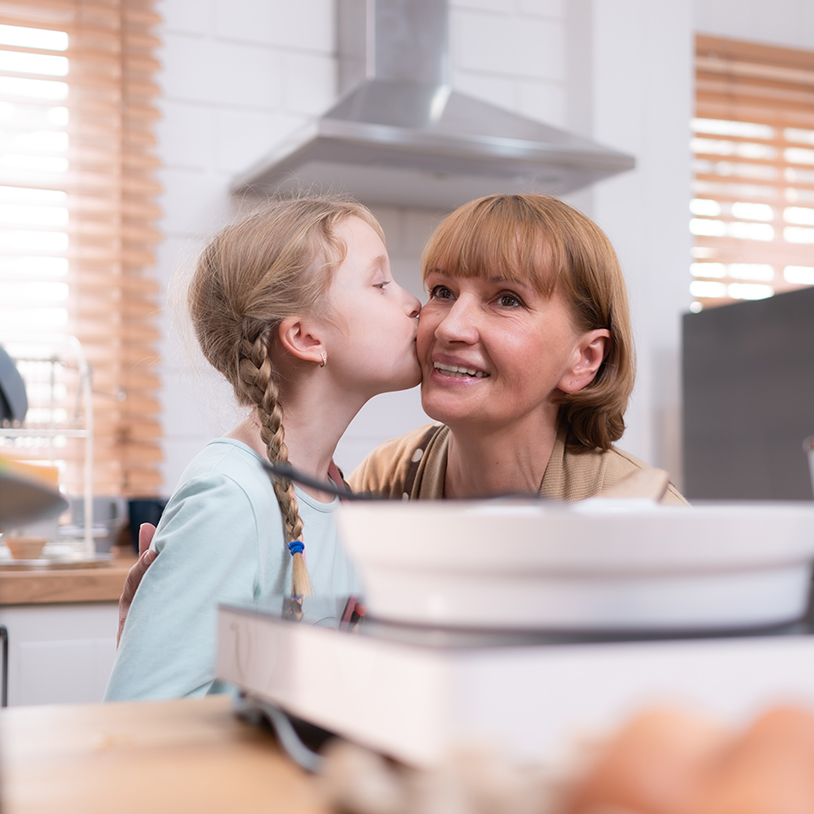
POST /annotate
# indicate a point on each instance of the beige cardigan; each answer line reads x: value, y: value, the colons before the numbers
x: 399, y: 468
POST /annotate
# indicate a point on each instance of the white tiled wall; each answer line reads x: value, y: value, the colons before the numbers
x: 240, y: 74
x: 789, y: 23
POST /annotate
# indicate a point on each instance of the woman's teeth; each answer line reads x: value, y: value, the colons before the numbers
x: 453, y: 370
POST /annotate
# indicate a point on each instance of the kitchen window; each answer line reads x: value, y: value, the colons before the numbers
x: 78, y: 212
x: 752, y: 208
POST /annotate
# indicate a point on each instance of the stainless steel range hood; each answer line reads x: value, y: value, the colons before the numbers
x: 402, y: 136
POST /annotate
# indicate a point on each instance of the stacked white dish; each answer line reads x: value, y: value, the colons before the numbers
x: 598, y: 565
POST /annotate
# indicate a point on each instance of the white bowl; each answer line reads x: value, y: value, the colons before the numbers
x: 598, y: 565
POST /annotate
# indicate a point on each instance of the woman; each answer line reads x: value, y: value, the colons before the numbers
x: 526, y: 356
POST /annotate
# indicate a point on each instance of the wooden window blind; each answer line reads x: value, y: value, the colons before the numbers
x: 78, y: 212
x: 753, y: 181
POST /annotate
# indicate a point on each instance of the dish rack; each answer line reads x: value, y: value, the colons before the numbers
x: 57, y: 379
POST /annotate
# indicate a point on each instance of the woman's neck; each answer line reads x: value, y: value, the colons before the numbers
x: 498, y: 461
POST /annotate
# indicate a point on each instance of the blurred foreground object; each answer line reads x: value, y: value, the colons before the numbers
x: 663, y: 760
x: 479, y: 780
x: 675, y: 762
x: 652, y: 765
x: 13, y: 399
x: 26, y: 494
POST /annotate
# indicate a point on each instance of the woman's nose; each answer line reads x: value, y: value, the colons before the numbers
x: 459, y: 323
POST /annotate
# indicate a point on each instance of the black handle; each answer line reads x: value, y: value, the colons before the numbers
x: 4, y: 684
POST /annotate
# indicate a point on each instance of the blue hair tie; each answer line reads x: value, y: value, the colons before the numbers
x: 297, y: 547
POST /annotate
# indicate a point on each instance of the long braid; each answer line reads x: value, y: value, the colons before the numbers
x: 255, y: 372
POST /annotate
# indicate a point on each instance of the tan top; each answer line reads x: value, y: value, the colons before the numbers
x: 399, y: 468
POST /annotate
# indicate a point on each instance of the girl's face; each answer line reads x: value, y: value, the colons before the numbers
x: 373, y: 346
x: 494, y: 352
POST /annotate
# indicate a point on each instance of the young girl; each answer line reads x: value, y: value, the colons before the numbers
x: 296, y: 306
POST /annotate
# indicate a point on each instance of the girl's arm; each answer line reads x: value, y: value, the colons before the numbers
x: 208, y: 544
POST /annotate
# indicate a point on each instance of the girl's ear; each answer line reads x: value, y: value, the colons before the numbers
x: 300, y: 337
x: 589, y: 354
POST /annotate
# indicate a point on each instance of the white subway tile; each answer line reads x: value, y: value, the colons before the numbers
x: 512, y: 46
x: 194, y: 203
x: 419, y: 224
x: 309, y: 83
x: 197, y: 401
x: 307, y: 24
x: 185, y: 134
x: 243, y: 137
x: 407, y: 273
x: 553, y: 9
x: 389, y: 218
x: 186, y: 16
x: 545, y: 102
x: 220, y: 73
x: 174, y: 258
x: 787, y: 28
x: 807, y: 22
x: 502, y: 6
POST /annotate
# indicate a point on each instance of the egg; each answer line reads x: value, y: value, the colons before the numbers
x: 653, y: 765
x: 769, y: 769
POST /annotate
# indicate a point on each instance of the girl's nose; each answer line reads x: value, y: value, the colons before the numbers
x: 412, y: 305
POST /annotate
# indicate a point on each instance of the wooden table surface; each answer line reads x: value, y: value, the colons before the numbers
x: 148, y: 757
x: 35, y: 586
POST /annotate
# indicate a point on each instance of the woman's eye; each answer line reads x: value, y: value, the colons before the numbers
x: 440, y: 292
x: 509, y: 301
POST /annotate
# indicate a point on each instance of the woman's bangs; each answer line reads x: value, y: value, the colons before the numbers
x: 493, y: 247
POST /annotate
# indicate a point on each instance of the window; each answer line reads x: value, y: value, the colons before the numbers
x: 78, y: 212
x: 752, y: 211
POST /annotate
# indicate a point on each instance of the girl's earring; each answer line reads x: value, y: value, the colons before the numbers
x: 324, y: 359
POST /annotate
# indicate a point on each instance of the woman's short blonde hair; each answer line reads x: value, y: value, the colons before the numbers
x: 551, y: 246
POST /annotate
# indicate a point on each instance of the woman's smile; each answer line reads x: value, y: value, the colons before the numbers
x: 458, y: 371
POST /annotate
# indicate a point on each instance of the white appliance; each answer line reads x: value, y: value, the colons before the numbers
x: 596, y: 610
x: 418, y: 694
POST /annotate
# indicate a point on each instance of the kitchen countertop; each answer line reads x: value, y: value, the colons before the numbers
x: 41, y: 586
x: 146, y: 756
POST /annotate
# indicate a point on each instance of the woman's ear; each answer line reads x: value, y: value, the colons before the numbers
x: 589, y: 354
x: 301, y: 338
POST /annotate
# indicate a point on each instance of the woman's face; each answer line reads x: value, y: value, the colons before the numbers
x: 494, y: 352
x: 373, y: 346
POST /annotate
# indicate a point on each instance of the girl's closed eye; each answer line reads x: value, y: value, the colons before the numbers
x: 381, y: 286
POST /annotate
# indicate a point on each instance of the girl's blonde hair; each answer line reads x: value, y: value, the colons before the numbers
x: 273, y: 263
x: 544, y: 242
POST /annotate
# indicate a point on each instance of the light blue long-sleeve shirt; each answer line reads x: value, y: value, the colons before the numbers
x: 220, y: 539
